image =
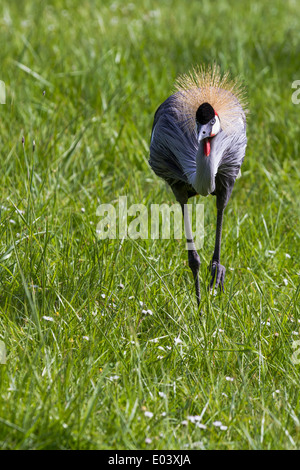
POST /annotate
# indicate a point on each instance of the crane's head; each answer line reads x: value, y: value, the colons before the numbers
x: 207, y: 125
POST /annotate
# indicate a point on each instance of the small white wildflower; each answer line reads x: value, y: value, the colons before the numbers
x: 86, y: 338
x: 194, y: 419
x: 103, y: 296
x: 285, y: 282
x: 82, y: 210
x: 148, y: 414
x: 229, y: 379
x: 271, y: 252
x: 217, y: 423
x: 295, y: 333
x: 184, y: 422
x: 149, y: 312
x: 164, y: 413
x: 121, y: 286
x: 148, y: 440
x: 177, y: 341
x: 48, y: 318
x: 64, y: 425
x: 113, y: 377
x: 201, y: 426
x: 162, y: 394
x: 12, y: 221
x: 223, y: 428
x: 287, y: 255
x: 160, y: 357
x: 224, y: 395
x: 131, y: 297
x: 141, y: 303
x: 144, y: 312
x: 221, y: 331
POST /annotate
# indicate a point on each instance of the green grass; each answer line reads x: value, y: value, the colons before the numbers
x: 85, y: 379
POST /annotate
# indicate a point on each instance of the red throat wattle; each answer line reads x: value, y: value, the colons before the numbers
x: 206, y: 143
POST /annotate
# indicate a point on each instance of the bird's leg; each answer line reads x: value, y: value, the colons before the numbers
x: 193, y: 257
x: 217, y: 270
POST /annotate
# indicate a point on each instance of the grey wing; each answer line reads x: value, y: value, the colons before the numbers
x: 172, y: 150
x: 233, y: 152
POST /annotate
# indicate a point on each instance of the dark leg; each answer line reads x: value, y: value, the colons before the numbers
x: 217, y: 270
x: 194, y: 259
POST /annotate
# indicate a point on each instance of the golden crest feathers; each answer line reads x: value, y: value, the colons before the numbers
x: 207, y: 84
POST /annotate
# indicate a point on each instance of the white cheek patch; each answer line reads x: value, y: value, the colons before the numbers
x: 216, y: 127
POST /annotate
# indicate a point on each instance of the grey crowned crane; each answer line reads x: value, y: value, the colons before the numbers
x: 198, y: 145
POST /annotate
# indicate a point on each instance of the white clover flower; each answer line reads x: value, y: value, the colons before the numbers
x: 148, y: 414
x: 162, y: 394
x: 148, y: 440
x: 223, y: 428
x: 229, y: 379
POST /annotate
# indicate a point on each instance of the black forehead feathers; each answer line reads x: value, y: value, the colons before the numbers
x: 205, y: 113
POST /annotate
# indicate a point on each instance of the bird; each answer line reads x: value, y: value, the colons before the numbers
x: 197, y: 145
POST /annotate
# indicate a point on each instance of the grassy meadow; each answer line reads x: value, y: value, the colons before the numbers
x: 86, y: 367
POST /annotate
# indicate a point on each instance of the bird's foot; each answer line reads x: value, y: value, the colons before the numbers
x: 218, y: 272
